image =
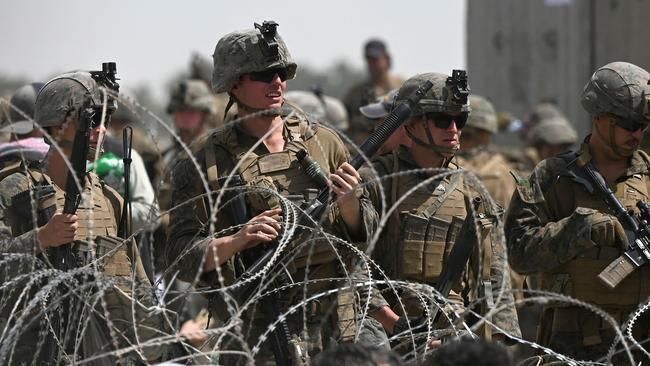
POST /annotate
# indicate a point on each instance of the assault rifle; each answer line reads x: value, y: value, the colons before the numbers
x: 368, y: 148
x: 637, y: 230
x: 256, y: 258
x: 281, y: 344
x: 89, y: 116
x: 63, y: 257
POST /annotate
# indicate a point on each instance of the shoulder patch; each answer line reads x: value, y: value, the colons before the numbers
x: 528, y: 191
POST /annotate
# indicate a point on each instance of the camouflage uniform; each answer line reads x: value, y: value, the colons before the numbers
x: 188, y: 95
x: 278, y: 171
x: 109, y: 314
x: 330, y: 319
x: 421, y: 231
x: 363, y: 94
x: 489, y: 165
x: 404, y: 255
x: 367, y: 92
x: 552, y: 228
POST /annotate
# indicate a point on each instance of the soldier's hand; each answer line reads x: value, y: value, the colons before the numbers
x: 606, y: 230
x: 264, y: 227
x: 344, y: 182
x: 60, y: 230
x: 194, y: 332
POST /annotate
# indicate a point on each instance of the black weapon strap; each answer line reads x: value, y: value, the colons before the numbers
x: 459, y: 254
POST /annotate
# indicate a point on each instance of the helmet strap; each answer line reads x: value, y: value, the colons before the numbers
x: 431, y: 145
x: 610, y: 140
x: 241, y: 106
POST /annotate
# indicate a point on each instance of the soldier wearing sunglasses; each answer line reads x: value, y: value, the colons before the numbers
x: 261, y: 147
x: 559, y: 228
x: 428, y: 211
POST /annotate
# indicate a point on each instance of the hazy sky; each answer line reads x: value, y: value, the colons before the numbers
x: 150, y: 40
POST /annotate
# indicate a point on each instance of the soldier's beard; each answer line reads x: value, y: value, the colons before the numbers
x: 611, y: 141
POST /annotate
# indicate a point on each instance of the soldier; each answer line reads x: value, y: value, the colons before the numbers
x: 479, y: 156
x: 261, y: 147
x: 552, y: 136
x: 28, y: 246
x: 193, y: 108
x: 557, y: 227
x: 26, y: 141
x: 380, y: 82
x: 420, y: 231
x: 377, y: 112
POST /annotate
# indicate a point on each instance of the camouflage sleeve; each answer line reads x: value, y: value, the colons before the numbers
x: 373, y: 188
x: 537, y: 241
x: 26, y: 243
x: 186, y: 246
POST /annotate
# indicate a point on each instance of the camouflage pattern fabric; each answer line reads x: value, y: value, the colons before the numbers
x: 493, y: 170
x: 483, y: 114
x: 279, y: 172
x: 552, y: 226
x: 118, y: 261
x: 401, y: 251
x: 248, y: 56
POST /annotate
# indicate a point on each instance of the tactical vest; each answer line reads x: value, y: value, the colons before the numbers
x: 280, y: 172
x: 277, y: 172
x: 95, y: 215
x: 429, y: 221
x: 579, y: 277
x: 97, y: 218
x: 493, y: 171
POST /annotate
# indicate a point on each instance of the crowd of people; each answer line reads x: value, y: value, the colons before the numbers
x: 267, y: 234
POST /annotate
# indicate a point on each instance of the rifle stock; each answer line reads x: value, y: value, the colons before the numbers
x: 280, y: 339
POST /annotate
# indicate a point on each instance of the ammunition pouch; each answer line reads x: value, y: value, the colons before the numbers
x: 425, y: 244
x: 579, y: 279
x: 41, y: 198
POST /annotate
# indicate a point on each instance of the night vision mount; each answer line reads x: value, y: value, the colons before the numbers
x: 107, y: 78
x: 270, y: 45
x: 458, y: 84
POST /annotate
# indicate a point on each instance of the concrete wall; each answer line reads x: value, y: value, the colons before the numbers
x: 520, y: 52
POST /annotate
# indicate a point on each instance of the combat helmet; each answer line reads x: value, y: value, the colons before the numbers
x: 449, y: 94
x: 246, y: 51
x: 66, y: 94
x: 192, y: 94
x: 483, y: 115
x: 553, y: 131
x: 21, y: 109
x: 620, y: 89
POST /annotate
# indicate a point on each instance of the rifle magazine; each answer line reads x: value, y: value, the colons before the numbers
x: 616, y: 272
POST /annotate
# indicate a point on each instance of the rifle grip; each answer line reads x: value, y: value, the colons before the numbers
x: 616, y: 272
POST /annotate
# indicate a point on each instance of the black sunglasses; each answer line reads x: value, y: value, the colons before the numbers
x: 267, y: 76
x: 629, y: 125
x: 443, y: 121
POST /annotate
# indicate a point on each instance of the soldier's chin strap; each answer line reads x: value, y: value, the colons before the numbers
x: 432, y: 145
x: 611, y: 141
x: 248, y: 109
